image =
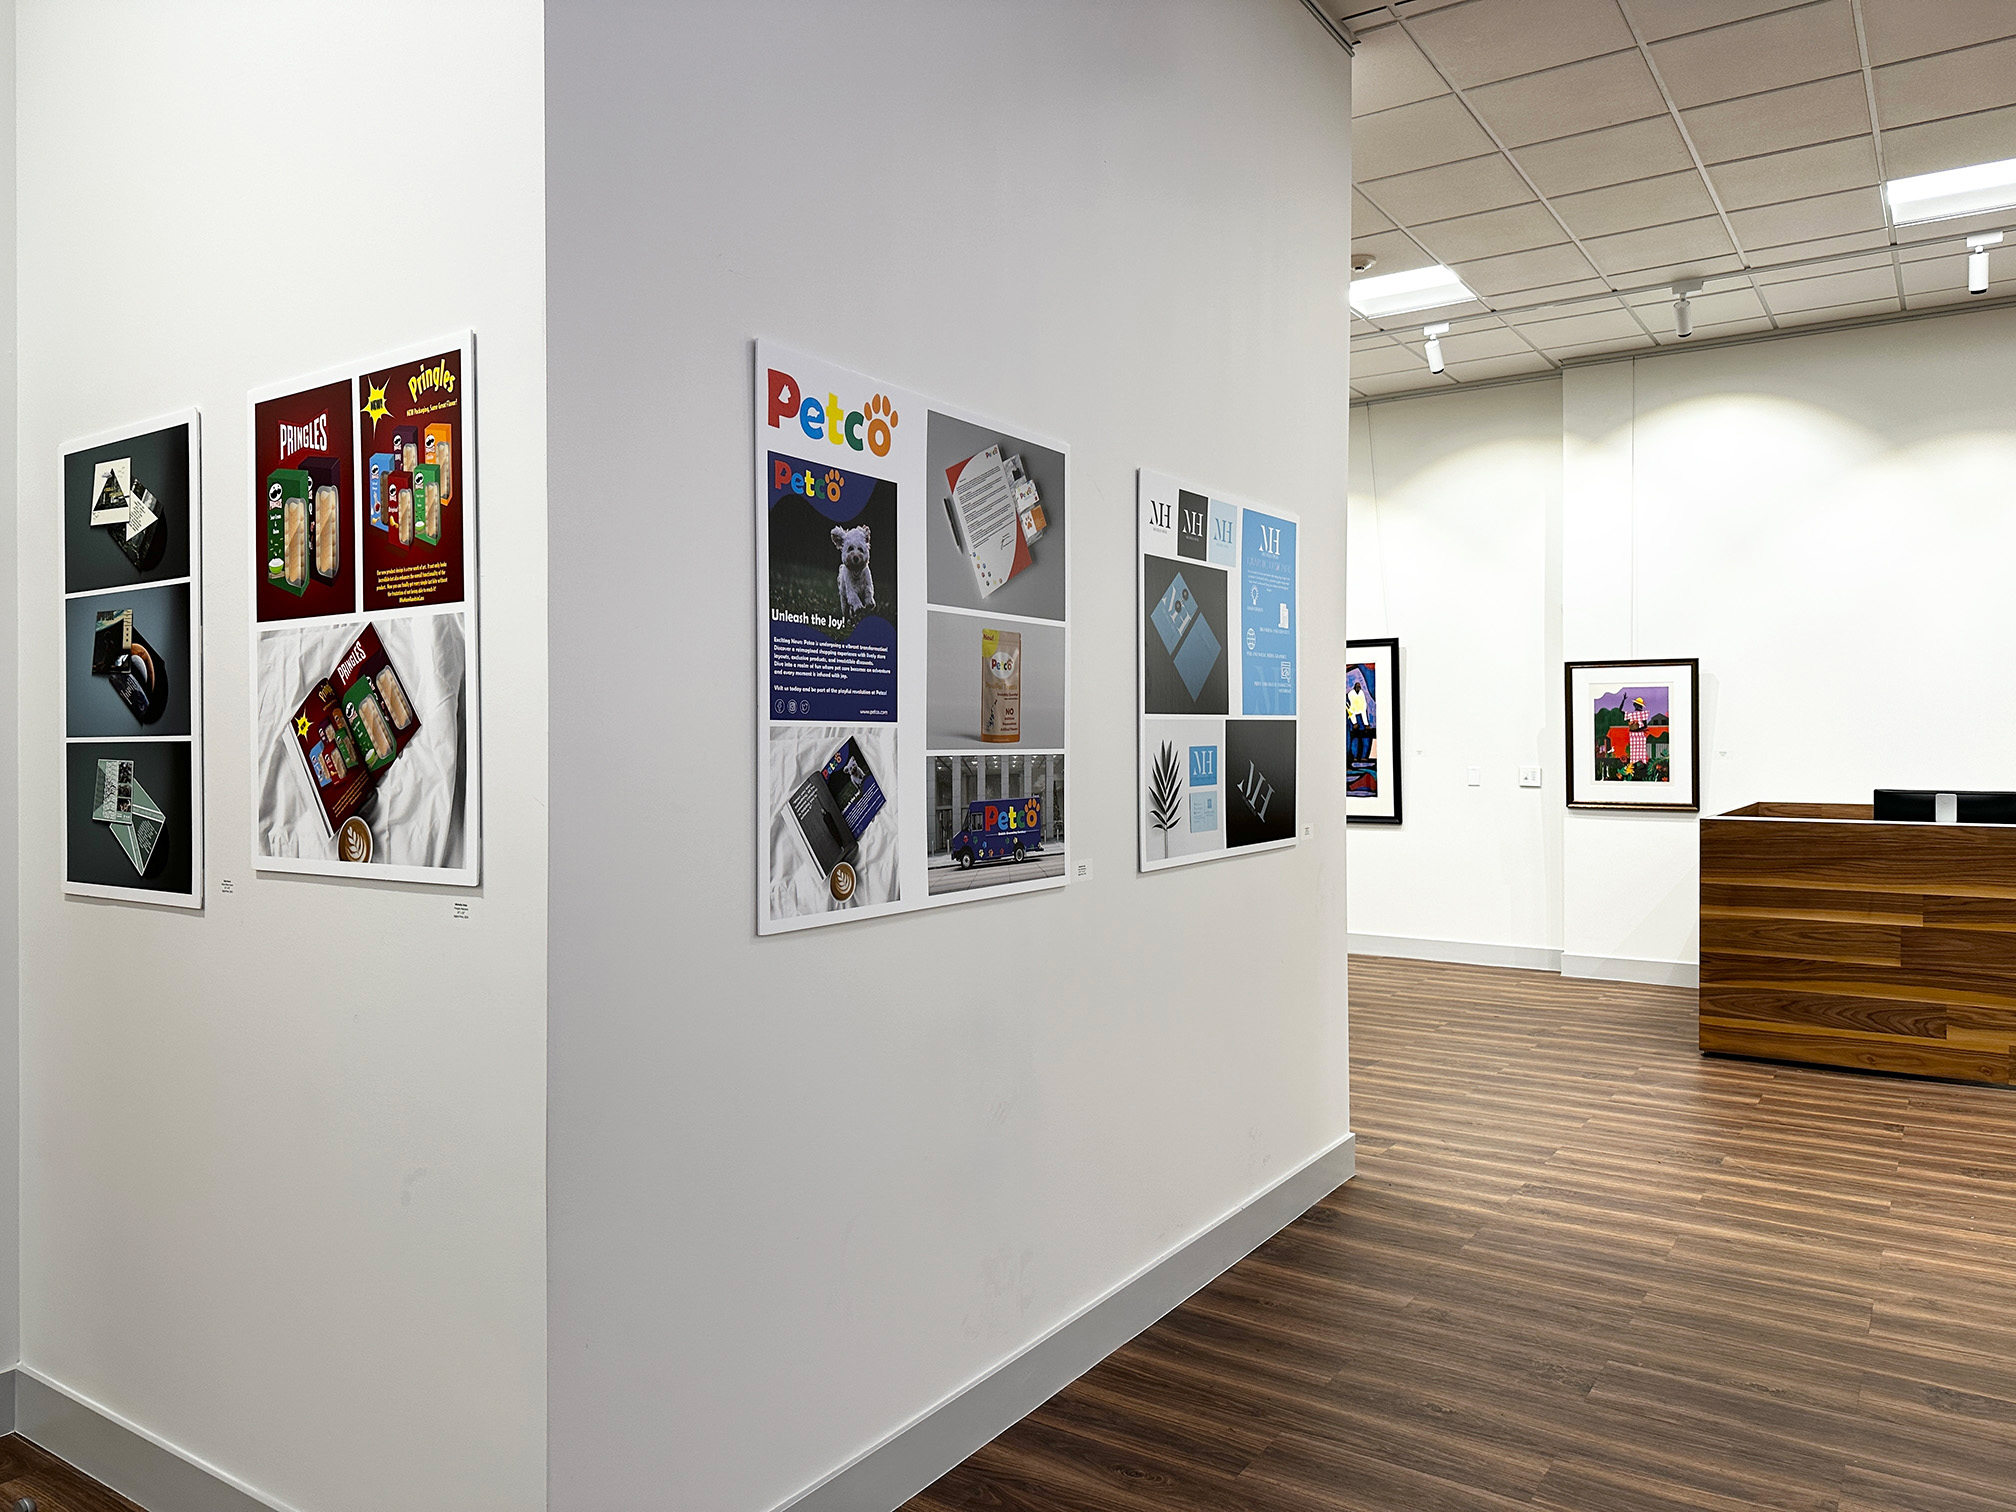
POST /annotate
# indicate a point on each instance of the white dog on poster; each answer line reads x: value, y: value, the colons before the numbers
x: 857, y: 583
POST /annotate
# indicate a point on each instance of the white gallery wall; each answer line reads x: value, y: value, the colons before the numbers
x: 10, y: 724
x: 282, y: 1197
x: 1822, y: 519
x: 1452, y: 503
x: 805, y: 1188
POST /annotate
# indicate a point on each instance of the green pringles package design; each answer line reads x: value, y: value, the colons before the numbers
x: 289, y: 491
x: 427, y: 503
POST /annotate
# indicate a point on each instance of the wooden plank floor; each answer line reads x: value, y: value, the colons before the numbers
x: 1582, y: 1268
x: 27, y: 1470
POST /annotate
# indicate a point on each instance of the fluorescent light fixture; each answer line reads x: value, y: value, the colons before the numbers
x: 1400, y: 293
x: 1951, y: 192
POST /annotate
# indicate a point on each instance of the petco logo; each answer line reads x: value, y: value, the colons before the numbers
x: 832, y: 420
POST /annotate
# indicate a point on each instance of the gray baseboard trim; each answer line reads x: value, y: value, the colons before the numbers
x: 1459, y: 952
x: 139, y: 1465
x: 1630, y: 969
x: 914, y: 1456
x: 7, y: 1401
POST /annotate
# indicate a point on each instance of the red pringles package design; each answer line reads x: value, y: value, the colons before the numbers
x: 412, y: 416
x: 352, y: 727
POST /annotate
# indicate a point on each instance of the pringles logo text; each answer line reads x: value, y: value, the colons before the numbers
x: 312, y: 437
x: 873, y: 425
x: 434, y: 376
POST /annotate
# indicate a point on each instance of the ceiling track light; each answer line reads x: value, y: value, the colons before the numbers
x: 1435, y: 333
x: 1683, y: 307
x: 1977, y: 260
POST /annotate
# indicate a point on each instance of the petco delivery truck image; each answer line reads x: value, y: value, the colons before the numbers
x: 999, y: 829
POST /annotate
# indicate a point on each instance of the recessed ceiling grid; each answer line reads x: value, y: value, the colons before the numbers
x: 1571, y: 159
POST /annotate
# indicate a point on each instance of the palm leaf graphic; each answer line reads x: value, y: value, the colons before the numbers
x: 1165, y: 790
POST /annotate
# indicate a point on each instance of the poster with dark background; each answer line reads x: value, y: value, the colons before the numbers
x: 1259, y: 781
x: 285, y: 433
x: 414, y: 396
x: 832, y: 653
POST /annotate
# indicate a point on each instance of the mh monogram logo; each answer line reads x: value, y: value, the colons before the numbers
x: 1270, y: 540
x: 1257, y: 791
x: 1158, y: 513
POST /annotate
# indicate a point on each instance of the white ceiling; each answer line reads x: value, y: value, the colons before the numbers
x: 1566, y: 153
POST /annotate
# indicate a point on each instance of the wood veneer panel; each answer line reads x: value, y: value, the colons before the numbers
x: 1864, y: 1014
x: 1984, y: 989
x: 1844, y: 905
x: 1862, y: 1052
x: 1971, y: 913
x: 1806, y: 939
x: 1967, y: 860
x: 1583, y: 1268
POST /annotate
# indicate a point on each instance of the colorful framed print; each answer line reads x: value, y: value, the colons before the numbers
x: 1372, y: 731
x: 1634, y: 737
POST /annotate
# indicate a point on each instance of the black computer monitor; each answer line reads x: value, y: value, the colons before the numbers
x: 1921, y: 805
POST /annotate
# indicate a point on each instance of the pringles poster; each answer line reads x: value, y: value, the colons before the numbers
x: 366, y: 710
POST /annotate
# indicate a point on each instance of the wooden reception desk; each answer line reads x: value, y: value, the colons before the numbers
x: 1829, y: 938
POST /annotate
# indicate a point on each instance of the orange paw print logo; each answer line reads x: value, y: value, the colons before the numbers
x: 834, y: 480
x: 881, y: 421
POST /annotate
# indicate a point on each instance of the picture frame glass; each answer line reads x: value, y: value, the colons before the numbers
x: 1372, y: 752
x: 1633, y: 735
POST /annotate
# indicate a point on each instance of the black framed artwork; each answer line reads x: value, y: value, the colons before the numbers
x: 1634, y: 735
x: 1372, y: 731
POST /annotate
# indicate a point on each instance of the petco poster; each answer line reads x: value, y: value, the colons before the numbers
x: 912, y: 649
x: 1219, y: 656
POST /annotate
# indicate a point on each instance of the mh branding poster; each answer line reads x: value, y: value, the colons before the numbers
x: 913, y: 649
x: 361, y: 543
x: 1219, y: 667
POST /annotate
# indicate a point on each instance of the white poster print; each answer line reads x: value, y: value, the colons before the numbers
x: 1218, y: 663
x: 912, y: 649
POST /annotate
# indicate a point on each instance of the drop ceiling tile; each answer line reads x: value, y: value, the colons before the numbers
x: 1499, y: 367
x: 1798, y: 174
x: 1493, y: 341
x: 1719, y: 331
x: 1494, y: 277
x: 1640, y: 343
x: 1379, y: 362
x: 1471, y: 238
x: 1899, y: 29
x: 1988, y: 136
x: 1394, y: 249
x: 1767, y: 277
x: 1768, y: 52
x: 1932, y: 299
x: 1366, y: 219
x: 1599, y: 324
x: 1949, y: 84
x: 1712, y: 308
x: 1795, y: 117
x: 1555, y: 293
x: 1698, y: 267
x: 1613, y: 155
x: 1625, y: 207
x: 1832, y: 289
x: 1389, y: 72
x: 1630, y: 251
x: 1834, y: 314
x: 1830, y: 246
x: 1496, y: 39
x: 1414, y: 136
x: 1432, y: 194
x: 1580, y: 97
x: 1402, y: 383
x: 1933, y: 274
x: 1659, y: 19
x: 1807, y: 219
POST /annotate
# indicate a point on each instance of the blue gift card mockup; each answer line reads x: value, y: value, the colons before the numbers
x: 1173, y: 615
x: 1199, y: 655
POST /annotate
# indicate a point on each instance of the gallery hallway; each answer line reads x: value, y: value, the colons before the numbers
x: 1581, y: 1267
